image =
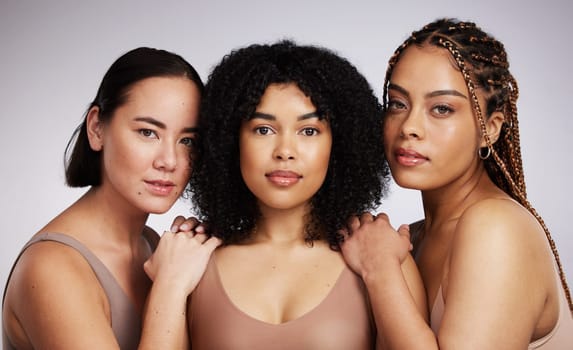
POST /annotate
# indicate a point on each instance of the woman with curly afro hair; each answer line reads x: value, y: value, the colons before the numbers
x: 290, y: 147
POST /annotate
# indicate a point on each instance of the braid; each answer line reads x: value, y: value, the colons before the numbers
x: 482, y: 61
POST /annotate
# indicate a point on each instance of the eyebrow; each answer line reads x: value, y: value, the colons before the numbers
x: 162, y: 125
x: 431, y: 94
x: 267, y: 116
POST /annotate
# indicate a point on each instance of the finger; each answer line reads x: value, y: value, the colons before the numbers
x: 176, y: 223
x: 200, y: 229
x: 383, y: 216
x: 344, y: 233
x: 212, y: 243
x: 353, y: 224
x: 189, y: 224
x: 366, y: 217
x: 201, y: 237
x: 204, y: 226
x: 404, y: 230
x: 167, y: 233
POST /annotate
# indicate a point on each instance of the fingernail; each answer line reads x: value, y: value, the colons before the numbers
x: 184, y: 227
x: 174, y: 228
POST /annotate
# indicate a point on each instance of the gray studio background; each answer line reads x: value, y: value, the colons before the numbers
x: 54, y: 53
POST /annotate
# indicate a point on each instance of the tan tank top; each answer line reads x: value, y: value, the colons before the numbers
x: 560, y: 337
x: 125, y: 320
x: 341, y: 321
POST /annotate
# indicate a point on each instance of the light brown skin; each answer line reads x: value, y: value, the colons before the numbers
x: 283, y: 135
x: 54, y: 300
x: 487, y: 252
x: 262, y: 276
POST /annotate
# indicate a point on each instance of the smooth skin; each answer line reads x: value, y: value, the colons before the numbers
x: 488, y: 254
x: 54, y: 300
x: 262, y: 275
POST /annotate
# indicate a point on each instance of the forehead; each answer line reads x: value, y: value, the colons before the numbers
x: 169, y: 99
x: 284, y: 94
x: 428, y: 68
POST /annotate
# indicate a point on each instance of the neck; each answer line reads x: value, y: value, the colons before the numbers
x: 281, y: 226
x: 448, y: 203
x: 119, y: 221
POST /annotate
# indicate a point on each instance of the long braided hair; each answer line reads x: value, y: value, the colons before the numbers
x: 482, y: 61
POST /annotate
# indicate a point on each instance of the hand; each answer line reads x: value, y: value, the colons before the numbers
x: 181, y: 259
x: 180, y: 224
x: 371, y: 243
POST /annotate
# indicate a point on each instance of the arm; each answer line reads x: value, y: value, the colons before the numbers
x: 175, y: 268
x: 381, y: 256
x: 499, y: 272
x: 55, y: 301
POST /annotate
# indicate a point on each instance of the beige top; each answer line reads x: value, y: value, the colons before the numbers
x: 341, y: 321
x: 125, y: 320
x: 560, y: 337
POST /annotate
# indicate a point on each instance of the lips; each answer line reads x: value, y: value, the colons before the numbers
x: 283, y: 177
x: 160, y: 187
x: 408, y: 157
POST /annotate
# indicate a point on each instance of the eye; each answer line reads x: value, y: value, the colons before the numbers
x: 309, y: 131
x: 442, y: 110
x: 188, y: 141
x: 396, y: 105
x: 147, y: 133
x: 263, y: 130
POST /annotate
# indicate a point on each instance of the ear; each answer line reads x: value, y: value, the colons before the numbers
x: 493, y: 127
x: 94, y: 129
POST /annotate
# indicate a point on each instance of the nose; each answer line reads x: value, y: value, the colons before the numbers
x: 285, y: 148
x: 166, y: 158
x: 413, y: 125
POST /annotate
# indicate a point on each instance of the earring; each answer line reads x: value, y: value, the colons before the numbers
x: 484, y: 156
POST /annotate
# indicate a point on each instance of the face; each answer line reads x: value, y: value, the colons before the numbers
x: 430, y: 132
x: 146, y: 145
x: 284, y: 149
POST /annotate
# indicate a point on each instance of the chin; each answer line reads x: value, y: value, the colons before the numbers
x: 409, y: 183
x: 158, y: 208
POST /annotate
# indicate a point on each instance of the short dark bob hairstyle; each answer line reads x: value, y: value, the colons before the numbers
x: 83, y: 165
x: 357, y: 175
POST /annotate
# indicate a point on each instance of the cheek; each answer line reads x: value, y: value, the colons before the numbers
x: 252, y: 150
x: 119, y: 155
x: 319, y: 156
x: 248, y: 162
x: 456, y: 136
x: 389, y: 133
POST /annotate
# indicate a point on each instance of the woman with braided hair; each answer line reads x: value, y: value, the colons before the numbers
x: 490, y: 267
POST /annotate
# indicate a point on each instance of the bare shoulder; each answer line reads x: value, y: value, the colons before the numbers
x: 506, y: 234
x: 47, y: 269
x: 499, y: 220
x: 500, y: 266
x: 52, y: 288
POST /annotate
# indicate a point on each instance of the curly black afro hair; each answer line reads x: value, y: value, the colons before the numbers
x: 358, y: 174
